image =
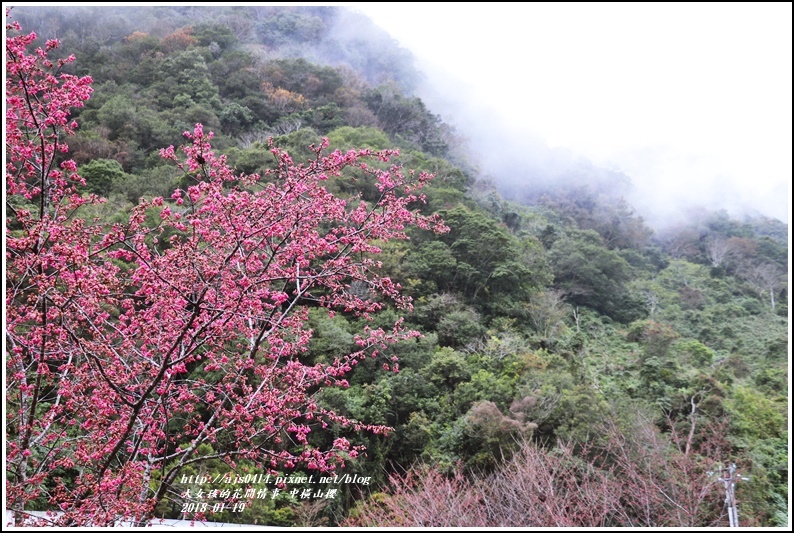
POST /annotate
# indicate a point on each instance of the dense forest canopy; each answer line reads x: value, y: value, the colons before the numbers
x: 571, y: 367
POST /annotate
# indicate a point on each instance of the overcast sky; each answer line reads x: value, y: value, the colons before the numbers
x: 692, y: 101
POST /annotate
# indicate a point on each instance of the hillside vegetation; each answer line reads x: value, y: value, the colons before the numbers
x: 575, y: 367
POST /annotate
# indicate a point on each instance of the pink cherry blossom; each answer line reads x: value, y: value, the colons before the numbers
x: 113, y: 334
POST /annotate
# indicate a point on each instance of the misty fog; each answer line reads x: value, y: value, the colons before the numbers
x: 693, y: 105
x: 672, y: 108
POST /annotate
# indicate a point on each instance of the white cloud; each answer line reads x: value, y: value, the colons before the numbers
x: 691, y: 100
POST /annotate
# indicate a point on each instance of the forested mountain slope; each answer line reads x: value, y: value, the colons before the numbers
x: 557, y: 329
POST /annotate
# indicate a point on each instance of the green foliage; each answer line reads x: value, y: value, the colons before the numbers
x: 654, y: 337
x: 492, y: 267
x: 346, y: 137
x: 594, y: 276
x: 755, y: 416
x: 407, y: 118
x: 431, y: 263
x: 695, y: 353
x: 297, y: 143
x: 236, y: 78
x: 220, y: 34
x: 102, y: 175
x: 117, y: 115
x: 184, y: 77
x: 148, y: 183
x: 486, y: 385
x: 252, y: 160
x: 289, y: 26
x: 235, y: 118
x: 580, y: 411
x: 447, y: 368
x: 458, y: 328
x: 332, y: 337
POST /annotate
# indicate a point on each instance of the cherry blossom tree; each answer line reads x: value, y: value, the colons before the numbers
x: 136, y: 350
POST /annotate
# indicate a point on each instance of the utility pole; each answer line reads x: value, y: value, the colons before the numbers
x: 729, y: 479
